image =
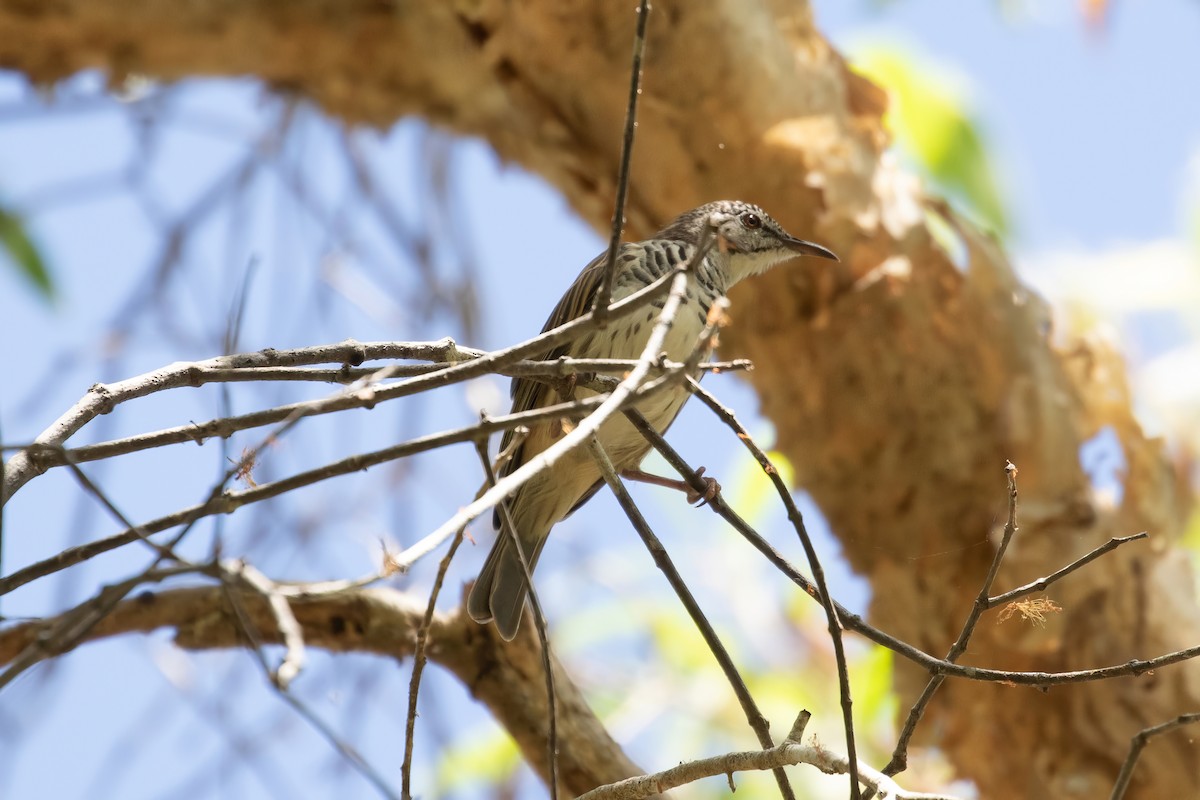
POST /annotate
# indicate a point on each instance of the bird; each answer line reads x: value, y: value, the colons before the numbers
x: 748, y: 242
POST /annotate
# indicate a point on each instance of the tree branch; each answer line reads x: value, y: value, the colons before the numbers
x: 754, y: 716
x: 382, y: 622
x: 895, y: 382
x: 788, y: 753
x: 101, y: 398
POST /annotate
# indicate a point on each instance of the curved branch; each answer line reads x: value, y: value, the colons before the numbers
x: 507, y: 678
x: 101, y: 398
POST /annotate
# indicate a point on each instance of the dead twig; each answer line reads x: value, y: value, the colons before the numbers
x: 604, y: 290
x: 758, y: 722
x: 833, y: 624
x: 1138, y: 743
x: 789, y: 752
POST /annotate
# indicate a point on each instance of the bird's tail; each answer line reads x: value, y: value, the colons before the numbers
x: 500, y: 590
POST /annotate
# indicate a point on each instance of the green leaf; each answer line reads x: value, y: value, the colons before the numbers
x: 486, y: 761
x: 871, y: 675
x: 1191, y: 532
x: 23, y: 254
x: 931, y: 118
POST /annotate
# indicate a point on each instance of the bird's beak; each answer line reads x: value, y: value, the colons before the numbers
x: 803, y: 248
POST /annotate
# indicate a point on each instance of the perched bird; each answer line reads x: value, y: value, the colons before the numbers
x: 748, y: 243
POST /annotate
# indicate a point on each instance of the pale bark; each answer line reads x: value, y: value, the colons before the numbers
x: 506, y: 677
x: 898, y: 382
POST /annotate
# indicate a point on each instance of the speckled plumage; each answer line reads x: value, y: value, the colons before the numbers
x: 750, y: 243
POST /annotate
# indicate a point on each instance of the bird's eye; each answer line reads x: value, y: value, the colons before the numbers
x: 751, y: 221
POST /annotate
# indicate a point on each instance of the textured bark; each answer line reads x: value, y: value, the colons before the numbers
x: 898, y: 383
x: 506, y: 677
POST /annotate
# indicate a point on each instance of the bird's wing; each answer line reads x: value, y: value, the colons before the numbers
x: 528, y: 394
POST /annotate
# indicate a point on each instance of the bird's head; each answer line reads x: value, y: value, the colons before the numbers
x: 749, y: 241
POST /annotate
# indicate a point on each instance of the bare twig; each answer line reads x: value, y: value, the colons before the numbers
x: 899, y: 759
x: 51, y: 455
x: 1138, y: 743
x: 586, y: 427
x: 560, y: 367
x: 239, y: 572
x: 754, y: 716
x: 414, y: 683
x: 383, y: 622
x: 423, y: 634
x: 138, y: 531
x: 834, y: 625
x: 65, y: 631
x: 1041, y: 584
x: 228, y: 501
x: 787, y: 753
x: 235, y: 575
x: 347, y: 752
x: 604, y: 290
x: 418, y: 668
x: 508, y: 528
x: 101, y: 398
x: 854, y: 622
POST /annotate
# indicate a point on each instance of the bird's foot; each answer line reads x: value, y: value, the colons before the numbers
x: 711, y: 487
x: 711, y: 490
x: 566, y: 387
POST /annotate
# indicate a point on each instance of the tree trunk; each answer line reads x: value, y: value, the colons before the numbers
x: 898, y: 383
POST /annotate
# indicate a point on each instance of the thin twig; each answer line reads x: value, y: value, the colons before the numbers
x: 789, y: 752
x: 560, y: 367
x: 143, y: 535
x: 754, y: 716
x: 101, y: 398
x: 604, y: 290
x: 834, y: 625
x: 418, y: 668
x: 281, y: 611
x: 252, y: 634
x: 50, y: 455
x: 76, y: 625
x: 1138, y: 743
x: 344, y: 750
x: 67, y: 629
x: 899, y: 761
x: 315, y: 590
x: 509, y: 529
x: 588, y: 425
x: 1041, y: 584
x: 856, y: 623
x: 419, y: 657
x: 228, y: 501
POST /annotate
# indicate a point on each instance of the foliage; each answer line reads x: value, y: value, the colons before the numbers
x: 930, y: 114
x: 22, y: 254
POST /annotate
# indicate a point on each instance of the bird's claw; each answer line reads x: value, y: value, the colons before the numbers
x: 711, y: 490
x: 566, y: 387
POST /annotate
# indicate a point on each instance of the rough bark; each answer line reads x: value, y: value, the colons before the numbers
x: 506, y: 677
x: 898, y: 383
